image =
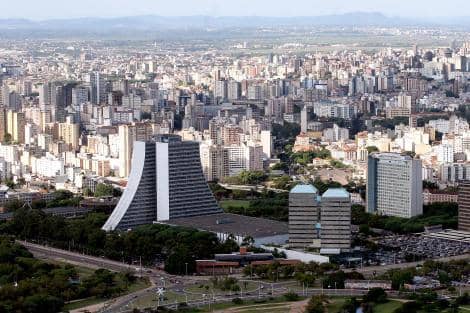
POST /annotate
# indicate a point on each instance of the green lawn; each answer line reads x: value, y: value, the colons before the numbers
x: 83, y: 272
x: 263, y: 304
x: 82, y: 303
x: 336, y: 304
x: 224, y: 204
x: 138, y: 285
x: 388, y: 307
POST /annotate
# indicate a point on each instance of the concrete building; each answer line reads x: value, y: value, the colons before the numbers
x: 3, y: 123
x: 166, y: 182
x: 320, y: 222
x: 234, y: 90
x: 336, y: 220
x: 304, y: 120
x: 267, y: 143
x: 464, y: 206
x: 15, y: 126
x: 394, y: 185
x: 128, y: 134
x: 214, y: 161
x: 304, y: 217
x: 69, y: 132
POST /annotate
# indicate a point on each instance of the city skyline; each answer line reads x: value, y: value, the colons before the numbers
x: 54, y: 9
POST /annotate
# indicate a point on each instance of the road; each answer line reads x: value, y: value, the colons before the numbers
x: 178, y: 284
x: 77, y: 258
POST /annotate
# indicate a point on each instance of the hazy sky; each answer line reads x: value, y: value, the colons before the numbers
x: 43, y: 9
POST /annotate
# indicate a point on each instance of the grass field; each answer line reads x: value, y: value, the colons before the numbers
x: 234, y: 203
x: 138, y: 285
x: 82, y: 303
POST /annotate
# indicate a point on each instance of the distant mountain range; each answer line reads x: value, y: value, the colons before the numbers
x: 208, y: 22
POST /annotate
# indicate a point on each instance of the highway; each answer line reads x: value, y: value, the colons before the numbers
x: 46, y: 252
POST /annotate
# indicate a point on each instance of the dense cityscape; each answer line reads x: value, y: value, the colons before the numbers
x: 234, y: 165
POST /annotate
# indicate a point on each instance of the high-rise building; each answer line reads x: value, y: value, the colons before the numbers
x: 267, y: 143
x: 394, y: 185
x: 304, y: 119
x: 69, y: 132
x: 220, y: 92
x: 304, y: 217
x: 234, y: 90
x: 464, y: 206
x: 320, y: 221
x: 15, y: 126
x: 336, y: 220
x: 79, y: 95
x: 128, y: 134
x: 166, y: 182
x: 3, y: 123
x: 253, y: 156
x: 214, y: 161
x: 97, y: 86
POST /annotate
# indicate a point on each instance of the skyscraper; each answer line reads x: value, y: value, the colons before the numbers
x: 166, y: 182
x: 464, y: 206
x: 3, y: 123
x: 15, y: 126
x: 128, y: 134
x: 214, y: 161
x: 304, y: 119
x: 336, y: 220
x: 69, y: 132
x: 320, y: 221
x: 304, y: 214
x: 97, y: 88
x: 394, y: 185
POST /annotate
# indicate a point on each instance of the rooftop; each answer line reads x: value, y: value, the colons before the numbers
x: 336, y: 193
x: 304, y: 189
x: 238, y: 225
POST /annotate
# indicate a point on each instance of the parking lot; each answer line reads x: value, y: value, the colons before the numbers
x: 394, y: 249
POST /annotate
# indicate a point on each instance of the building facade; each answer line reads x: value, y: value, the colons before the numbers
x: 394, y: 185
x: 464, y: 206
x: 304, y: 215
x: 320, y: 222
x: 166, y: 182
x: 336, y: 220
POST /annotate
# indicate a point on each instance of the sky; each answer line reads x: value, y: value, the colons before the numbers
x: 47, y: 9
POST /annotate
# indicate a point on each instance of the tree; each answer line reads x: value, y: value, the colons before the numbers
x: 376, y: 295
x: 291, y: 296
x: 104, y: 190
x: 7, y: 139
x: 282, y: 182
x: 87, y: 192
x: 316, y: 304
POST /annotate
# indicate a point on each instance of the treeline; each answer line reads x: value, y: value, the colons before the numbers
x: 444, y: 272
x: 30, y: 285
x: 176, y: 246
x: 306, y: 274
x: 304, y: 158
x: 60, y: 198
x: 444, y: 213
x: 246, y: 178
x: 269, y: 205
